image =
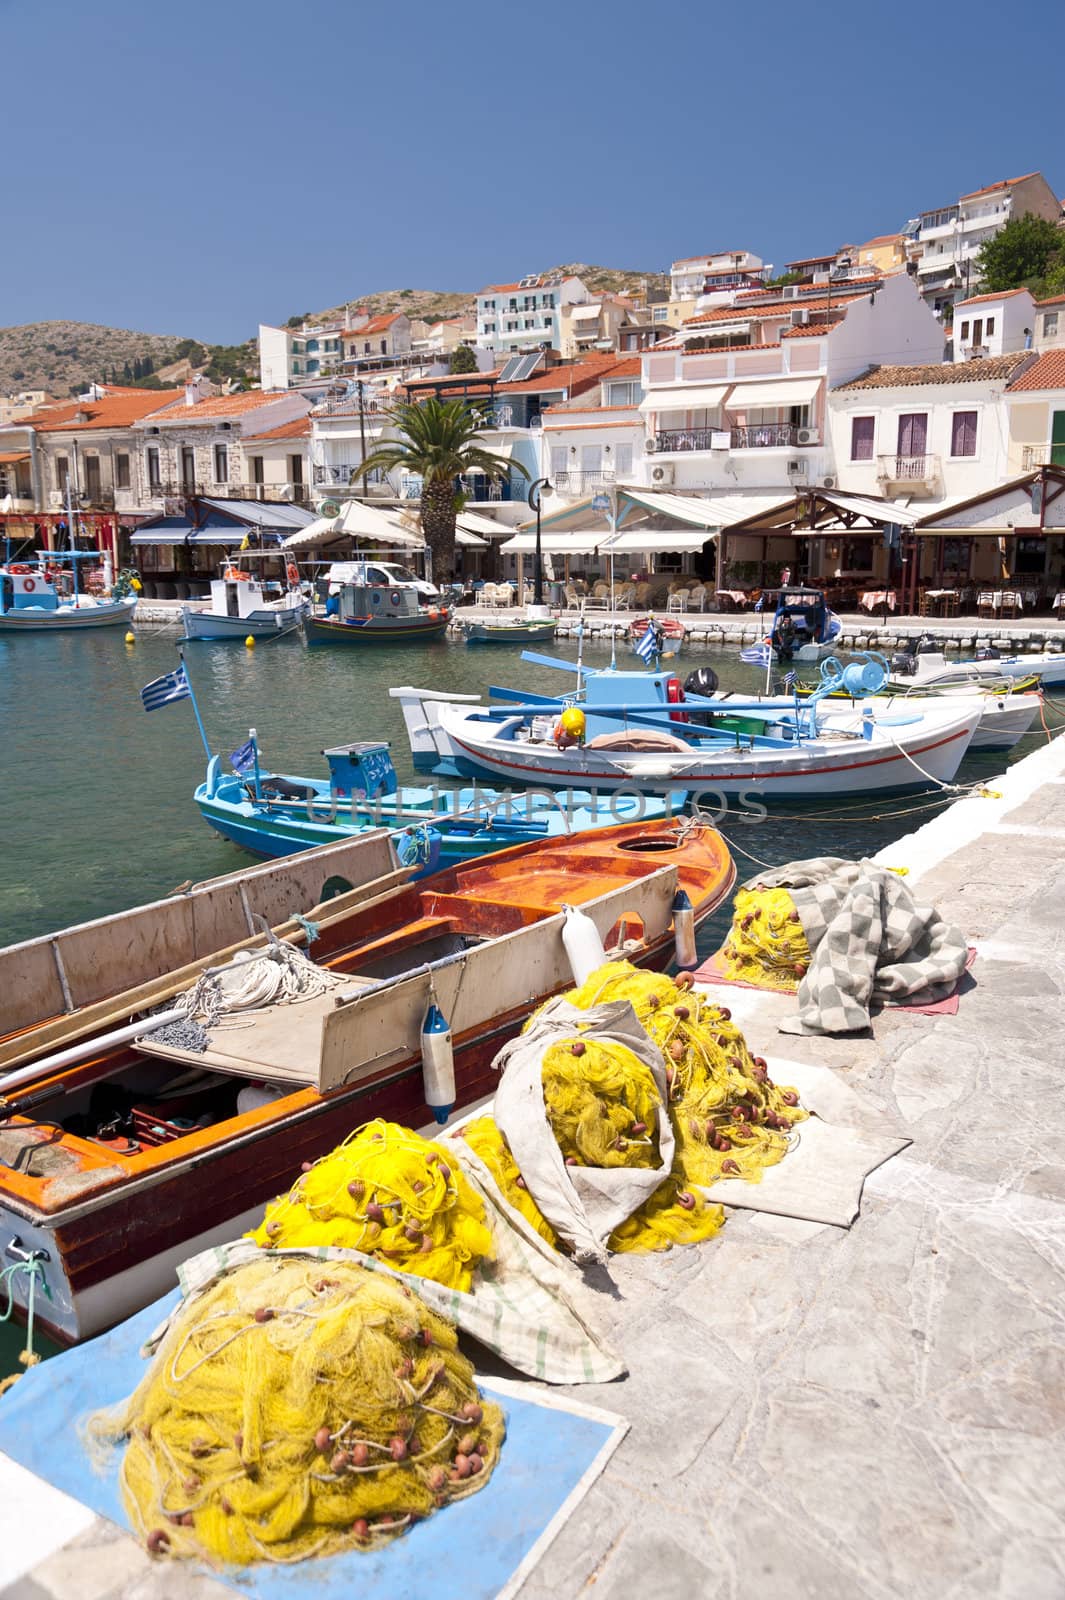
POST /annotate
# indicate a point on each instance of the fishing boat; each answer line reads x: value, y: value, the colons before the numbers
x: 273, y: 814
x: 642, y: 731
x: 31, y: 601
x: 926, y: 667
x: 365, y: 613
x: 803, y: 627
x: 123, y: 1153
x: 239, y: 607
x: 517, y: 631
x: 667, y: 634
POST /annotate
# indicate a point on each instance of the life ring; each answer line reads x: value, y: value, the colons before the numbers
x: 29, y: 585
x: 232, y: 575
x: 395, y: 597
x: 292, y: 574
x: 20, y: 567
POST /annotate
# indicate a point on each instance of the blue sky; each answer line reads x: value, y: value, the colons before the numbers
x: 200, y: 167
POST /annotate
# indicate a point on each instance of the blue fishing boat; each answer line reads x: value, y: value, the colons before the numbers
x: 803, y: 628
x: 275, y: 814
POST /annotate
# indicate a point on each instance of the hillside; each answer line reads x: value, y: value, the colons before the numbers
x: 63, y: 356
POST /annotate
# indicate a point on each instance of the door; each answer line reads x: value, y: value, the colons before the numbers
x: 1057, y: 440
x: 91, y: 465
x: 188, y: 470
x: 295, y: 476
x: 591, y: 467
x: 913, y: 436
x: 232, y: 600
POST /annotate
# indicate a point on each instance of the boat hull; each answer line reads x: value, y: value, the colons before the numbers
x: 377, y: 630
x: 504, y: 633
x: 108, y: 614
x: 259, y: 624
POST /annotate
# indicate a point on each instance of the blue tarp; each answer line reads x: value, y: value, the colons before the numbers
x: 466, y: 1552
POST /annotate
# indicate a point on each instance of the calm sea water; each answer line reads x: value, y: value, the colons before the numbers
x: 96, y: 795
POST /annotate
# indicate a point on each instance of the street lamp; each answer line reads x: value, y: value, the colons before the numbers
x: 536, y: 489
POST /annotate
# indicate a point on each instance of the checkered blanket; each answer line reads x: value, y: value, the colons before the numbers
x: 870, y: 940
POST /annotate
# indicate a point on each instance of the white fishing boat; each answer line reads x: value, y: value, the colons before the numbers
x: 640, y: 730
x: 32, y: 602
x: 928, y: 668
x: 239, y: 606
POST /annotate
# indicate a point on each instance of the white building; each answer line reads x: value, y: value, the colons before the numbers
x: 289, y: 356
x: 993, y: 325
x: 517, y: 317
x: 722, y: 271
x: 1036, y: 405
x: 949, y: 237
x: 737, y: 401
x: 1050, y: 323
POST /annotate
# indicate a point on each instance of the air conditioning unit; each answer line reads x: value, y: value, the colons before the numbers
x: 662, y: 474
x: 808, y: 436
x: 649, y: 445
x: 790, y: 291
x: 800, y: 318
x: 797, y: 468
x: 828, y: 483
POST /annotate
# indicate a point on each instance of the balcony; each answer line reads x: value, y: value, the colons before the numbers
x: 768, y: 436
x: 916, y: 475
x: 1035, y: 455
x: 583, y: 482
x: 678, y: 439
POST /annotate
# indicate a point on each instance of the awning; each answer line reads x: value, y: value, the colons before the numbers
x: 774, y: 392
x: 881, y: 512
x: 469, y: 539
x: 556, y: 544
x: 8, y: 458
x: 360, y: 521
x: 702, y: 511
x: 685, y: 397
x: 655, y: 541
x: 474, y: 522
x: 504, y: 450
x: 584, y: 313
x: 176, y: 533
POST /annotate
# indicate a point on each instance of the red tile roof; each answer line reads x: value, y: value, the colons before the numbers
x: 811, y: 330
x: 573, y: 376
x: 1048, y: 372
x: 298, y: 428
x: 1052, y: 300
x: 975, y: 299
x: 881, y: 239
x: 780, y: 308
x: 1003, y: 183
x: 943, y: 372
x: 222, y: 406
x: 115, y: 411
x: 810, y: 261
x: 510, y: 288
x: 375, y: 325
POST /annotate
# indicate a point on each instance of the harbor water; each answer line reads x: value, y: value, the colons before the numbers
x: 97, y: 794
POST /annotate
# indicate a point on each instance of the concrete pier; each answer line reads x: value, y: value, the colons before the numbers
x: 872, y: 1413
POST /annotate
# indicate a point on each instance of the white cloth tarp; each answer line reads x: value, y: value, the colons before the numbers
x: 584, y: 313
x: 702, y: 511
x: 360, y: 521
x: 653, y: 541
x: 770, y: 392
x: 877, y: 511
x: 474, y: 522
x: 685, y: 397
x: 577, y: 543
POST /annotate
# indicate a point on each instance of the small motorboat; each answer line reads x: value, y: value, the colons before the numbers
x: 274, y: 814
x: 926, y: 667
x: 517, y: 631
x: 127, y: 1149
x: 803, y: 628
x: 239, y: 607
x: 641, y: 730
x: 31, y: 600
x: 371, y: 613
x: 667, y: 638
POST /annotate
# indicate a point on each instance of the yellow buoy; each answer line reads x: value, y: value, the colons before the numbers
x: 250, y: 641
x: 131, y: 638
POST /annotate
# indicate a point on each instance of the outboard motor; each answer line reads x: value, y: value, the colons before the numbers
x: 927, y: 646
x: 702, y: 681
x: 903, y: 664
x: 987, y: 652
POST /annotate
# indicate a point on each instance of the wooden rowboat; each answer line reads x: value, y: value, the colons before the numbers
x: 119, y: 1165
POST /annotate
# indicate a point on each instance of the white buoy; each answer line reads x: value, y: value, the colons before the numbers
x: 686, y: 955
x: 584, y: 947
x: 438, y: 1063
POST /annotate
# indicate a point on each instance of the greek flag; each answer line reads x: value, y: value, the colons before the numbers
x: 166, y: 690
x: 790, y: 678
x: 756, y: 655
x: 243, y: 758
x: 647, y: 647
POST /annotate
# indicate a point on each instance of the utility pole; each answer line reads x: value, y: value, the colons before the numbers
x: 362, y: 433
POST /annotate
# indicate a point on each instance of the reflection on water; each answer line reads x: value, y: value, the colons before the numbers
x: 97, y: 795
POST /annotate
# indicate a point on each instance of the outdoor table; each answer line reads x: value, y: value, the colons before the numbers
x: 873, y: 599
x: 1059, y: 601
x: 735, y: 598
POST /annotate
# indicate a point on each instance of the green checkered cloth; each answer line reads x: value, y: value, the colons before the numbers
x: 528, y: 1304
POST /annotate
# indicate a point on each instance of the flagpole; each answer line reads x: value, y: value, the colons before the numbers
x: 196, y: 709
x: 254, y: 737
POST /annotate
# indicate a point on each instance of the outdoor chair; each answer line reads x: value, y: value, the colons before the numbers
x: 573, y: 599
x: 697, y: 598
x: 985, y: 603
x: 625, y: 598
x: 486, y: 594
x: 678, y: 600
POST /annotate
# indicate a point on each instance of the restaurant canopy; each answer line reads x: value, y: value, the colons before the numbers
x: 1032, y: 504
x: 631, y: 541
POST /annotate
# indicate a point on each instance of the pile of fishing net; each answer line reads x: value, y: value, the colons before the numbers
x: 766, y: 944
x: 295, y: 1410
x: 392, y: 1194
x: 728, y: 1119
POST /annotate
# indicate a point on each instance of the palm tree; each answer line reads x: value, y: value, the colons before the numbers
x: 438, y: 440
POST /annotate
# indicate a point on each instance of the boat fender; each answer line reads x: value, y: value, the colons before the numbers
x: 675, y: 697
x: 570, y: 728
x: 583, y: 945
x: 438, y: 1063
x: 685, y: 953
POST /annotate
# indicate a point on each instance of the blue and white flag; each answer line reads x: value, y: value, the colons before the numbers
x: 647, y: 647
x: 243, y: 758
x: 790, y: 678
x: 166, y: 690
x: 757, y: 655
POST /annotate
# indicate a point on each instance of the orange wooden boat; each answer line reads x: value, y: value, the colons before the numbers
x: 119, y: 1165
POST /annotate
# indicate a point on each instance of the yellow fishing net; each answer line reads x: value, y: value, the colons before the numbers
x: 485, y: 1140
x: 730, y: 1120
x: 766, y: 945
x: 392, y: 1194
x: 298, y: 1409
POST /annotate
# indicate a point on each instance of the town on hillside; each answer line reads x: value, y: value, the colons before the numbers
x: 770, y: 408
